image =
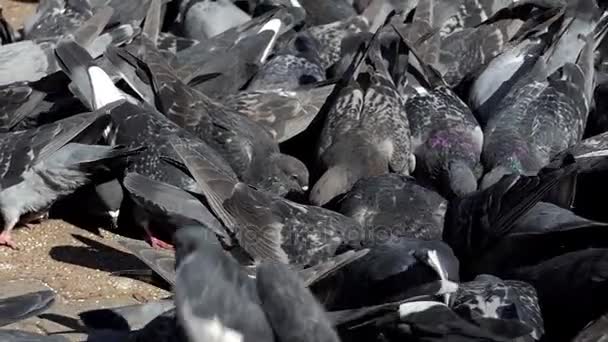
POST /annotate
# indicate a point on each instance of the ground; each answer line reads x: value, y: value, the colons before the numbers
x: 73, y: 262
x: 77, y: 265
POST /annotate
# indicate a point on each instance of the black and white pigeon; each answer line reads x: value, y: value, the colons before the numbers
x: 297, y: 63
x: 366, y: 133
x: 427, y: 320
x: 395, y: 205
x: 394, y: 269
x: 247, y: 146
x: 45, y: 164
x: 491, y: 297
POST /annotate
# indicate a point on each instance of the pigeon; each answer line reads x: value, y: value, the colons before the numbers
x: 204, y: 19
x: 277, y: 229
x: 558, y: 83
x: 570, y: 290
x: 214, y: 300
x: 396, y: 206
x: 14, y: 309
x: 247, y: 146
x: 446, y: 138
x: 392, y: 270
x: 430, y: 321
x: 476, y: 222
x: 491, y: 297
x: 35, y: 58
x: 225, y: 64
x: 168, y: 207
x: 45, y: 164
x: 366, y: 133
x: 153, y: 129
x: 295, y: 65
x: 285, y: 113
x: 126, y: 318
x: 286, y: 300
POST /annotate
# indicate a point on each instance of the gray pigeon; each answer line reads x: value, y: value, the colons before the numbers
x: 246, y: 145
x: 45, y: 164
x: 491, y: 297
x: 204, y: 19
x: 286, y: 113
x: 546, y: 112
x: 446, y: 137
x: 366, y: 133
x: 34, y: 59
x: 286, y: 300
x: 14, y: 309
x: 269, y: 227
x: 395, y: 205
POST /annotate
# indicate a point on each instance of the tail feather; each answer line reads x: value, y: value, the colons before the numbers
x: 93, y: 27
x: 93, y: 84
x: 18, y: 308
x: 84, y: 155
x: 153, y: 21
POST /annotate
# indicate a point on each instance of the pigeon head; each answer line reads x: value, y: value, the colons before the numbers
x: 461, y: 179
x: 288, y: 174
x: 494, y: 176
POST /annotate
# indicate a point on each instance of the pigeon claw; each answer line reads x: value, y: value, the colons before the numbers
x: 159, y: 244
x: 7, y: 240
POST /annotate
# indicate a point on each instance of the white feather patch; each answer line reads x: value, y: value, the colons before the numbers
x: 273, y: 25
x: 407, y: 309
x: 104, y: 90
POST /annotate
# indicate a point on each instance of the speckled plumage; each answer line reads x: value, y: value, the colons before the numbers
x: 366, y: 133
x: 492, y: 297
x: 395, y: 205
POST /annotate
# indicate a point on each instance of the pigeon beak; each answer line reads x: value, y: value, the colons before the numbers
x: 305, y: 188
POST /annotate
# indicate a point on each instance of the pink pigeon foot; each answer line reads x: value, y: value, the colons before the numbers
x: 7, y: 240
x: 159, y: 244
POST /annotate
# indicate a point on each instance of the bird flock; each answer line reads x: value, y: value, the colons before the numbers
x: 320, y: 171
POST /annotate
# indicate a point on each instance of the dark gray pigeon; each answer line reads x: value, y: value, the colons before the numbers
x: 286, y: 301
x: 213, y: 298
x: 366, y: 133
x: 45, y: 164
x: 135, y: 124
x: 246, y: 145
x: 167, y: 208
x: 224, y: 65
x: 126, y: 318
